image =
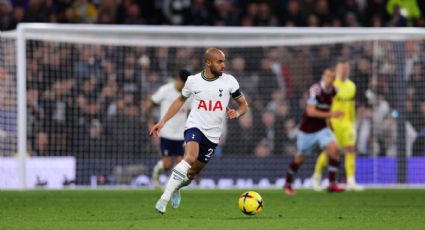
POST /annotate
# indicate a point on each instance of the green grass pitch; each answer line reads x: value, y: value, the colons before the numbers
x: 211, y: 209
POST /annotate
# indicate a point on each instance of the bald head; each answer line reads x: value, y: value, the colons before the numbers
x: 212, y: 53
x: 214, y: 60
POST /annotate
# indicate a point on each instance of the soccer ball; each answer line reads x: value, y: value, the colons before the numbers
x: 250, y: 203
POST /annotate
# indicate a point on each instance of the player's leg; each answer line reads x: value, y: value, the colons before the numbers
x: 327, y: 140
x: 293, y: 167
x: 346, y: 137
x: 305, y: 145
x: 206, y: 151
x: 167, y: 162
x: 177, y: 159
x: 321, y: 163
x: 178, y: 149
x: 178, y: 175
x: 164, y: 164
x: 156, y: 172
x: 350, y: 169
x: 323, y: 160
x: 192, y: 152
x: 193, y: 172
x: 196, y: 143
x: 333, y: 152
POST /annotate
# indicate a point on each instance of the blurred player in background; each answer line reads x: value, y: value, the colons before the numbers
x: 314, y: 130
x: 211, y: 90
x: 171, y: 135
x: 343, y: 128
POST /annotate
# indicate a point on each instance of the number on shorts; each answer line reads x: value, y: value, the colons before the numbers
x: 210, y: 152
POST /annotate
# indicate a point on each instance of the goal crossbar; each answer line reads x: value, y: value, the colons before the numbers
x: 154, y: 36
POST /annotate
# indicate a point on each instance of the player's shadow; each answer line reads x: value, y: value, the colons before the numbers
x: 149, y: 218
x: 250, y: 218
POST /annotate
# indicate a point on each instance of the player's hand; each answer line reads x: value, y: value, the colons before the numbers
x: 156, y: 128
x: 337, y: 114
x: 150, y: 125
x: 231, y: 113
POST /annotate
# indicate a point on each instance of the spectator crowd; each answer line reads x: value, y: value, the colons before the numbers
x: 89, y: 100
x: 349, y: 13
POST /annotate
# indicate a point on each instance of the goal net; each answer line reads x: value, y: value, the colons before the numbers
x: 78, y: 118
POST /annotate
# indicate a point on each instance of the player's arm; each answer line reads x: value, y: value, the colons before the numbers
x: 155, y: 100
x: 312, y: 111
x: 240, y: 99
x: 172, y: 110
x: 148, y: 113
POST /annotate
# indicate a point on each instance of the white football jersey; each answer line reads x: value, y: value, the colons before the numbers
x: 174, y: 128
x: 210, y: 99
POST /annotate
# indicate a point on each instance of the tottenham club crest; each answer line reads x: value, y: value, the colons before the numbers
x: 220, y: 92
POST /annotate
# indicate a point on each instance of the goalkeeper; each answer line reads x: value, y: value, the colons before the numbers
x: 343, y: 128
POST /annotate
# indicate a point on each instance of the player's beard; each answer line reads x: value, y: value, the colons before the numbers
x: 215, y: 71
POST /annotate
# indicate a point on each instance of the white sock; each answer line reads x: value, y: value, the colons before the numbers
x: 177, y: 177
x: 316, y: 175
x: 351, y: 180
x: 156, y: 172
x: 159, y: 167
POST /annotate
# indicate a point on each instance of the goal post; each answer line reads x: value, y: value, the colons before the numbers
x: 81, y: 92
x: 21, y: 103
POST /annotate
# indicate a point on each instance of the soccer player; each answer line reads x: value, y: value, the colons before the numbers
x: 314, y: 131
x: 343, y: 128
x: 211, y: 90
x: 171, y: 136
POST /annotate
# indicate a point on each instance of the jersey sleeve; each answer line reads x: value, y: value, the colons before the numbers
x: 158, y: 96
x: 312, y: 95
x: 188, y: 88
x: 235, y: 91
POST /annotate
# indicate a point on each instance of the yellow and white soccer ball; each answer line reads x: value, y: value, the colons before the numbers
x: 250, y: 203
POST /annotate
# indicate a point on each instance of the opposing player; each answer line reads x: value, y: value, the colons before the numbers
x: 314, y: 131
x: 171, y: 136
x: 211, y: 90
x: 343, y: 128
